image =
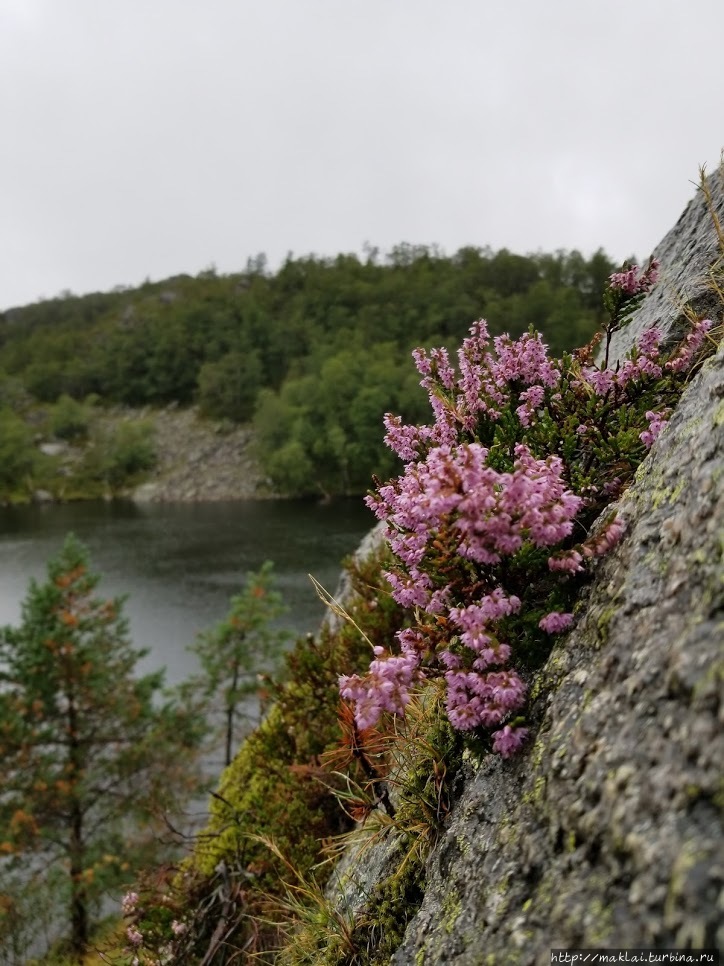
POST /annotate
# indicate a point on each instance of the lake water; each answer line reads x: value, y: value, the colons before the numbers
x: 180, y: 563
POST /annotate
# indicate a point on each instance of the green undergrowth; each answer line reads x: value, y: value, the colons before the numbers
x: 276, y: 806
x: 71, y: 451
x: 423, y: 755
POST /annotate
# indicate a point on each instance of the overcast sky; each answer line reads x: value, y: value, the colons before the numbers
x: 145, y: 138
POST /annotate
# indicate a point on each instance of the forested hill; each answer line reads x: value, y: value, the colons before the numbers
x: 314, y: 353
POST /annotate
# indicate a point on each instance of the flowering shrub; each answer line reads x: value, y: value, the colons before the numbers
x: 147, y: 939
x: 491, y: 520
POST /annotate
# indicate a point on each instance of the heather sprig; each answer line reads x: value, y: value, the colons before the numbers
x: 492, y: 522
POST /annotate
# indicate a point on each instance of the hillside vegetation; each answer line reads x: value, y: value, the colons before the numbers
x: 313, y: 354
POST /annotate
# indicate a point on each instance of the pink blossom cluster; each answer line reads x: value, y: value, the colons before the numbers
x: 508, y: 740
x: 635, y: 280
x: 455, y: 518
x: 486, y: 515
x: 689, y: 348
x: 555, y: 622
x: 602, y: 542
x: 644, y: 362
x: 492, y: 513
x: 385, y: 687
x: 489, y: 377
x: 569, y: 561
x: 129, y: 903
x: 657, y: 421
x: 475, y: 699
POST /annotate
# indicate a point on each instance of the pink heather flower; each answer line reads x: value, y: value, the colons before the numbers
x: 508, y: 741
x: 635, y: 280
x: 407, y: 441
x: 555, y: 622
x: 475, y: 699
x: 613, y: 487
x: 635, y: 369
x: 178, y: 928
x: 135, y: 938
x: 384, y: 688
x: 525, y: 360
x: 508, y: 690
x: 499, y: 511
x: 422, y: 362
x: 410, y: 640
x: 570, y: 562
x: 648, y: 343
x: 691, y: 345
x: 532, y: 399
x: 411, y: 591
x: 606, y: 540
x: 602, y: 380
x: 442, y: 368
x: 129, y: 903
x: 491, y: 608
x: 469, y: 703
x: 657, y: 421
x: 453, y: 662
x: 449, y: 499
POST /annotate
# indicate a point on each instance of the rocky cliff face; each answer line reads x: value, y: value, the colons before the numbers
x: 199, y: 460
x: 607, y: 831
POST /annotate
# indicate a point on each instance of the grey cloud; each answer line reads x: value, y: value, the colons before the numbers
x: 146, y: 139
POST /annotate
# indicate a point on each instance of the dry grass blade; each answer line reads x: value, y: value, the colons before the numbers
x: 312, y: 922
x: 337, y: 608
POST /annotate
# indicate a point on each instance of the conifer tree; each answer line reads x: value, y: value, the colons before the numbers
x: 235, y: 652
x: 91, y: 753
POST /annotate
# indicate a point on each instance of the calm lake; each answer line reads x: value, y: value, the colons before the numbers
x: 180, y: 563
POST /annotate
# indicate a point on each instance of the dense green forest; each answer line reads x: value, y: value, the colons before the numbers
x: 314, y: 353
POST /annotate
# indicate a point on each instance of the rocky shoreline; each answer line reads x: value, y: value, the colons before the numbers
x: 199, y: 460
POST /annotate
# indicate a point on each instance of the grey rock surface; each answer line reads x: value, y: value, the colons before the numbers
x: 687, y: 254
x: 344, y: 594
x: 199, y: 460
x: 607, y: 831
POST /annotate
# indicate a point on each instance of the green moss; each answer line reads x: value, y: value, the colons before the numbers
x: 688, y: 858
x: 536, y: 794
x: 550, y: 677
x: 599, y: 922
x: 451, y: 909
x: 714, y: 674
x: 655, y: 562
x: 603, y: 619
x: 536, y: 755
x: 392, y: 905
x: 718, y: 797
x: 463, y: 845
x: 271, y: 792
x: 667, y: 494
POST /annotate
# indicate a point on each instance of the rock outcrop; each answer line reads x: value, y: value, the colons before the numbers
x: 607, y: 831
x: 200, y: 460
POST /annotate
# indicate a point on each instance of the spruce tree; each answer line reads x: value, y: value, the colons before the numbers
x: 235, y: 654
x: 91, y: 753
